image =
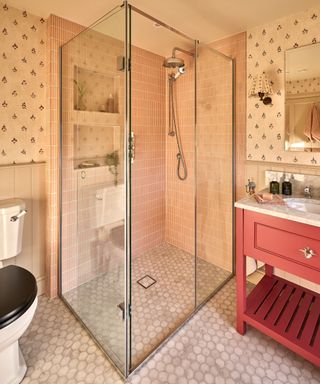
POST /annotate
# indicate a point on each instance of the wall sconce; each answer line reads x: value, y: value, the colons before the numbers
x: 261, y: 87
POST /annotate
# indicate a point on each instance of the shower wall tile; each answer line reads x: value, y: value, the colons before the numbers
x: 148, y: 170
x: 236, y: 48
x: 59, y: 31
x: 88, y: 135
x: 214, y: 159
x: 180, y: 195
x: 214, y: 147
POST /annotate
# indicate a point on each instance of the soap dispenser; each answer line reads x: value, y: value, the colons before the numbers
x: 286, y: 186
x: 274, y: 187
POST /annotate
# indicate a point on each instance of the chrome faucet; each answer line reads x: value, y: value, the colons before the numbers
x: 307, y: 191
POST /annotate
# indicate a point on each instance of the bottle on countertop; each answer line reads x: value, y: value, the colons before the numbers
x: 286, y: 186
x: 110, y: 104
x: 274, y: 187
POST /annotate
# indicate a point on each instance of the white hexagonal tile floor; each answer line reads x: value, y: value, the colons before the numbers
x: 156, y: 311
x: 206, y: 350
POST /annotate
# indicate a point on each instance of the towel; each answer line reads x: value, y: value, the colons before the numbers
x: 312, y: 129
x: 315, y: 123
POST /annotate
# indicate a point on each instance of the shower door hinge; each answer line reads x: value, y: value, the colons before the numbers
x: 132, y: 147
x: 129, y: 310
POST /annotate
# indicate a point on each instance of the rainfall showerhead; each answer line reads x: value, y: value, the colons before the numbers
x: 173, y: 62
x: 176, y: 62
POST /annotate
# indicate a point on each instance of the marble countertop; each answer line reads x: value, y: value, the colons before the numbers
x: 282, y: 211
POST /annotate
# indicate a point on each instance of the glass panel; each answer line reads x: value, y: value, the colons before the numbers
x: 163, y: 229
x: 214, y: 210
x: 93, y: 181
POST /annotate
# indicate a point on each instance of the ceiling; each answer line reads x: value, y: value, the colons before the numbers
x: 205, y: 20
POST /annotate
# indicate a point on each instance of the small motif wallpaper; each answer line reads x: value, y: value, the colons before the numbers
x: 265, y: 52
x: 22, y: 86
x: 303, y: 86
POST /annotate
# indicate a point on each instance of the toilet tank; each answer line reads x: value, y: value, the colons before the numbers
x: 12, y: 213
x: 110, y: 205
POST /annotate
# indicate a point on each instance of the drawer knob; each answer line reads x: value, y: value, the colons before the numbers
x: 308, y: 252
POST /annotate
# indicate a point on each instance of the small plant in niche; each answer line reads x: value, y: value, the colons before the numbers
x: 81, y: 91
x: 112, y: 161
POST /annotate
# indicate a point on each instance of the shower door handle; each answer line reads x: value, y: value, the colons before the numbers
x: 132, y: 147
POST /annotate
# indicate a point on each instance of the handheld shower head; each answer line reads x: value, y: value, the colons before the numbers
x: 181, y: 71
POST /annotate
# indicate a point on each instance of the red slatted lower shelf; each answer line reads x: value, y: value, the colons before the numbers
x: 287, y: 312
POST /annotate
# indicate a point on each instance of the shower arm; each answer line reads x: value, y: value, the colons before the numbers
x: 181, y: 50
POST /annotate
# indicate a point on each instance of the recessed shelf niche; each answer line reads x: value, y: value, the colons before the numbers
x: 92, y: 144
x: 95, y: 91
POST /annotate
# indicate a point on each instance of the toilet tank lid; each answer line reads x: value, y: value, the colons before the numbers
x: 11, y: 205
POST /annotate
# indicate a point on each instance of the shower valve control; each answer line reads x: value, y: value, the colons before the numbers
x: 132, y: 148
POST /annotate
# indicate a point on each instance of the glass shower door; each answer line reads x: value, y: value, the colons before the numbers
x: 94, y: 182
x: 214, y: 169
x: 162, y: 205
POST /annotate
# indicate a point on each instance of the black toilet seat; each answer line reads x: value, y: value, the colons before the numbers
x: 18, y: 290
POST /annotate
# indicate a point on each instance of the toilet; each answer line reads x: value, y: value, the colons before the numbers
x: 18, y: 293
x: 107, y: 219
x: 110, y: 213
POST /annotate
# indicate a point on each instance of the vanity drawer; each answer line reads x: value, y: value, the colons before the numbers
x: 268, y: 238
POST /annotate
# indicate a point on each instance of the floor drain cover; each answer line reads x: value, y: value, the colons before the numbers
x: 146, y: 281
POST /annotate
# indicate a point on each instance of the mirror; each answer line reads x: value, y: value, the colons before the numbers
x: 302, y: 99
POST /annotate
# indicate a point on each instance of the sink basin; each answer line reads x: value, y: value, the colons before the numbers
x: 304, y: 205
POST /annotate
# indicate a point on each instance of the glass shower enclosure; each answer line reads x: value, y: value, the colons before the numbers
x: 147, y: 170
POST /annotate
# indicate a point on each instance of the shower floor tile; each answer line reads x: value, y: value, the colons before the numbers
x: 156, y: 311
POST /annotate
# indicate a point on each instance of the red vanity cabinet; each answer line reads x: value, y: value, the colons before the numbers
x: 281, y: 309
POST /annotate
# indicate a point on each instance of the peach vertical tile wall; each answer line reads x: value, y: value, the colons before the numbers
x: 148, y: 170
x: 214, y: 147
x: 214, y: 159
x: 89, y: 135
x: 59, y: 31
x: 180, y: 195
x: 236, y: 47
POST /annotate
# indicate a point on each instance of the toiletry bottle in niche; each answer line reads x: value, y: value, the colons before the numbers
x: 115, y: 103
x: 110, y: 104
x: 274, y: 187
x: 286, y: 187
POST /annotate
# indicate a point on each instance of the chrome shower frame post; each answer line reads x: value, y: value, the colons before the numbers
x: 128, y: 175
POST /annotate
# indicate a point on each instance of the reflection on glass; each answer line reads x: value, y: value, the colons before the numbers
x: 180, y: 199
x: 214, y: 164
x: 93, y: 189
x: 163, y: 218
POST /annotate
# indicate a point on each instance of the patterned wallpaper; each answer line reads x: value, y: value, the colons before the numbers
x: 303, y: 86
x: 22, y: 86
x: 266, y: 45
